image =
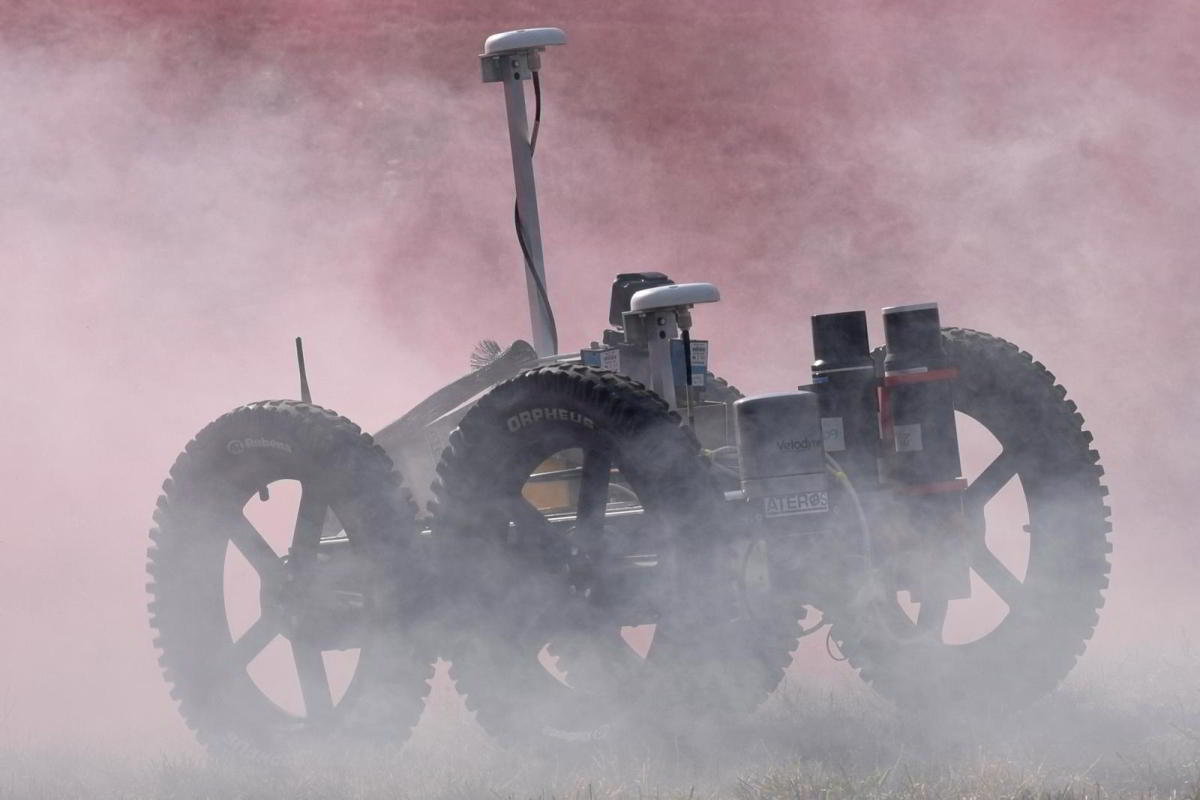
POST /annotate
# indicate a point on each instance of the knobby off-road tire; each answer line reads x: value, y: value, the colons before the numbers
x: 200, y: 515
x: 1054, y: 610
x: 520, y: 588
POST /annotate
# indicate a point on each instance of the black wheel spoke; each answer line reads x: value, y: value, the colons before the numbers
x: 254, y: 640
x: 989, y: 483
x: 310, y: 521
x: 995, y: 574
x: 314, y: 683
x: 251, y: 544
x: 593, y: 492
x: 931, y: 617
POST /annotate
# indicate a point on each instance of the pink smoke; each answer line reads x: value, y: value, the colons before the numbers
x: 187, y: 187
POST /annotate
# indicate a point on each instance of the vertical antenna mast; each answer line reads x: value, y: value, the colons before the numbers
x: 513, y: 57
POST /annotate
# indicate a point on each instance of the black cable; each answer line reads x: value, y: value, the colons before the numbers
x: 537, y: 112
x: 537, y: 280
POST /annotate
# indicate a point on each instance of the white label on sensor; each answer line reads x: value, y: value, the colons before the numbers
x: 833, y: 434
x: 699, y: 361
x: 908, y: 438
x: 610, y: 360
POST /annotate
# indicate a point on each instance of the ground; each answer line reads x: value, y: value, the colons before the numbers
x: 1127, y: 729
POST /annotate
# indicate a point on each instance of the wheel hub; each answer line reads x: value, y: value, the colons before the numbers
x: 321, y: 602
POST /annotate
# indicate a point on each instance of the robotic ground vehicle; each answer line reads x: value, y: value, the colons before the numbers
x: 614, y: 538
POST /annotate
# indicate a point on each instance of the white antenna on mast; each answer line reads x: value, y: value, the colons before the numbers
x: 513, y: 57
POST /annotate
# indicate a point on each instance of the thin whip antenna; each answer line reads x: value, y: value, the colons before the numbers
x: 305, y: 395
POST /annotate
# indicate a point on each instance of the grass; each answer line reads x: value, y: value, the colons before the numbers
x: 1112, y: 733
